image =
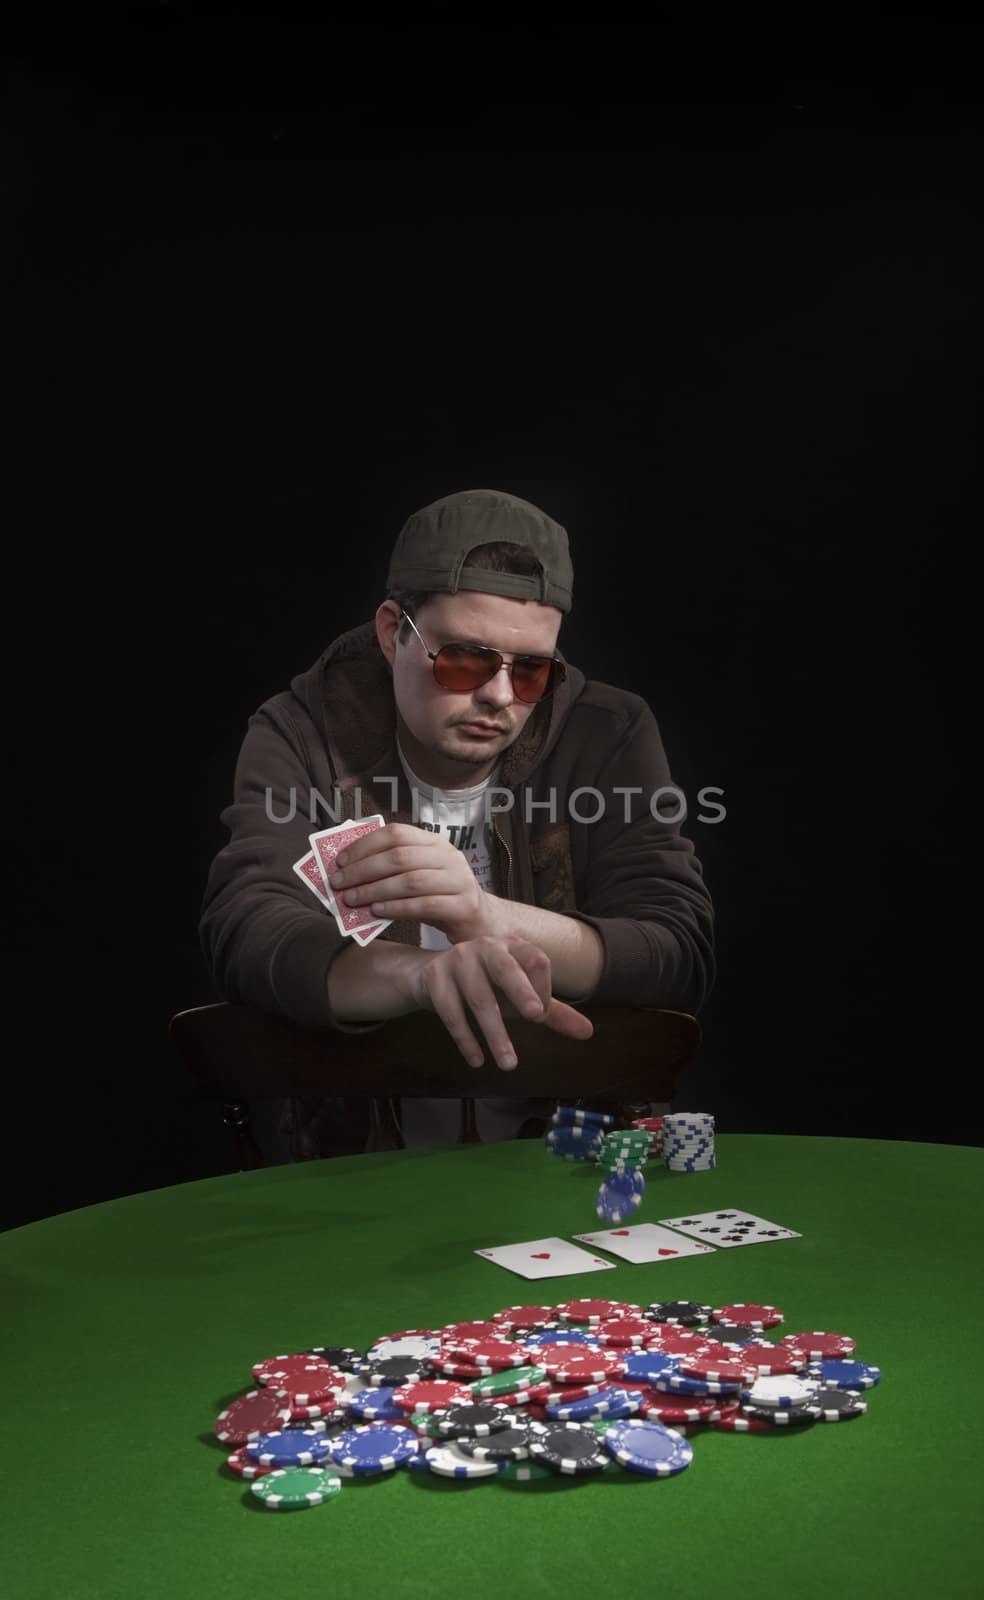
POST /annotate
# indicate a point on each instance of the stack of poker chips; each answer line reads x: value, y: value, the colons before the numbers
x: 688, y: 1141
x: 577, y: 1135
x: 654, y: 1127
x: 536, y: 1391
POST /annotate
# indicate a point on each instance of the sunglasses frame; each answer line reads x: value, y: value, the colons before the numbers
x: 557, y: 675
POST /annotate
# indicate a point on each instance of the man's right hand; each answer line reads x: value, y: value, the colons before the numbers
x: 493, y: 978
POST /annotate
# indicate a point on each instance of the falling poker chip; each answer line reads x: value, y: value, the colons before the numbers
x: 295, y: 1488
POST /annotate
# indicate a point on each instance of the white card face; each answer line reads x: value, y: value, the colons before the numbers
x: 728, y: 1229
x: 645, y: 1242
x: 545, y: 1258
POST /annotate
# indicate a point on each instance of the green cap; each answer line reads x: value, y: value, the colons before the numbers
x: 433, y: 543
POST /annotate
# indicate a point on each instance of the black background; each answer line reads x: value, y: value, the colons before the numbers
x: 273, y: 288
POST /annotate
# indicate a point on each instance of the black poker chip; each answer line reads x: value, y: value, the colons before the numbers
x: 568, y: 1447
x: 508, y: 1444
x: 338, y: 1355
x: 838, y: 1405
x: 472, y: 1421
x: 685, y: 1313
x: 787, y: 1417
x: 734, y: 1333
x: 396, y: 1370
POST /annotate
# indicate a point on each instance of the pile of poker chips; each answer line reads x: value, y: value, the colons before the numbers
x: 536, y: 1391
x: 688, y: 1141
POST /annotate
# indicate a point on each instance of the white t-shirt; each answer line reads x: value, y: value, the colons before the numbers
x: 458, y: 815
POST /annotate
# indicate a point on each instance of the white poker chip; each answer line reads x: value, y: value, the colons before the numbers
x: 779, y: 1394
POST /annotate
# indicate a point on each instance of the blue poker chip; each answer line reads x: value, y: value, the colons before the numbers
x: 683, y: 1383
x: 609, y: 1402
x: 620, y: 1195
x: 647, y: 1366
x: 845, y: 1374
x: 535, y: 1341
x: 578, y: 1116
x: 289, y: 1447
x: 377, y: 1447
x: 375, y: 1405
x: 649, y: 1447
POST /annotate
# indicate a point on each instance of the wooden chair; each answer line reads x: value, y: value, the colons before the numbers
x: 239, y: 1054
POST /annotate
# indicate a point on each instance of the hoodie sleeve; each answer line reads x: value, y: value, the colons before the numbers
x: 645, y: 892
x: 267, y: 940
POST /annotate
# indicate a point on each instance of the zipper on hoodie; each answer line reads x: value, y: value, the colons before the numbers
x: 505, y: 847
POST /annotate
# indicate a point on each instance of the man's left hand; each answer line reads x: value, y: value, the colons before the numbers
x: 400, y: 870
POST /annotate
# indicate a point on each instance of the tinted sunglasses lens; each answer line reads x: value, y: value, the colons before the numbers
x: 461, y: 670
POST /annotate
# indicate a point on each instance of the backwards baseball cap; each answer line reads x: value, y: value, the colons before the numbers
x: 433, y: 543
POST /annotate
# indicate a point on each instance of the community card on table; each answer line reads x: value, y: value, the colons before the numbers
x: 726, y: 1229
x: 645, y: 1242
x: 545, y: 1258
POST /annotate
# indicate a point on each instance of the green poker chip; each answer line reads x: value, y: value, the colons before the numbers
x: 508, y: 1382
x: 295, y: 1488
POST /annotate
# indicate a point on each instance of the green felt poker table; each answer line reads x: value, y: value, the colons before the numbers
x: 128, y: 1326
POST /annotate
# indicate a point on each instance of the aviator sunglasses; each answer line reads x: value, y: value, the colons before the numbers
x: 463, y: 667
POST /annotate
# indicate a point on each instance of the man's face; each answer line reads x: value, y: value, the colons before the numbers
x: 432, y: 721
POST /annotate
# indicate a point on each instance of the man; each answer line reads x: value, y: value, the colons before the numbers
x: 525, y: 864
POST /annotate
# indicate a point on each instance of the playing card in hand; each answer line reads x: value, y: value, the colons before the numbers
x: 327, y: 844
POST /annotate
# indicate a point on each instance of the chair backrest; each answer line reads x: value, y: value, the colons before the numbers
x: 240, y: 1054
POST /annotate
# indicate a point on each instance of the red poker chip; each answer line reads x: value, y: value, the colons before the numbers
x: 525, y: 1319
x: 748, y: 1316
x: 298, y: 1373
x: 536, y: 1411
x: 621, y: 1332
x: 465, y: 1370
x: 821, y: 1346
x: 588, y: 1366
x: 260, y: 1411
x: 536, y: 1394
x: 455, y: 1332
x: 716, y: 1369
x: 431, y: 1394
x: 496, y: 1354
x: 680, y: 1408
x: 774, y: 1360
x: 676, y: 1341
x: 329, y: 1411
x: 244, y: 1466
x: 595, y: 1310
x: 733, y: 1420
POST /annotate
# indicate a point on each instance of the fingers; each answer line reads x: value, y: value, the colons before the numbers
x: 466, y: 978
